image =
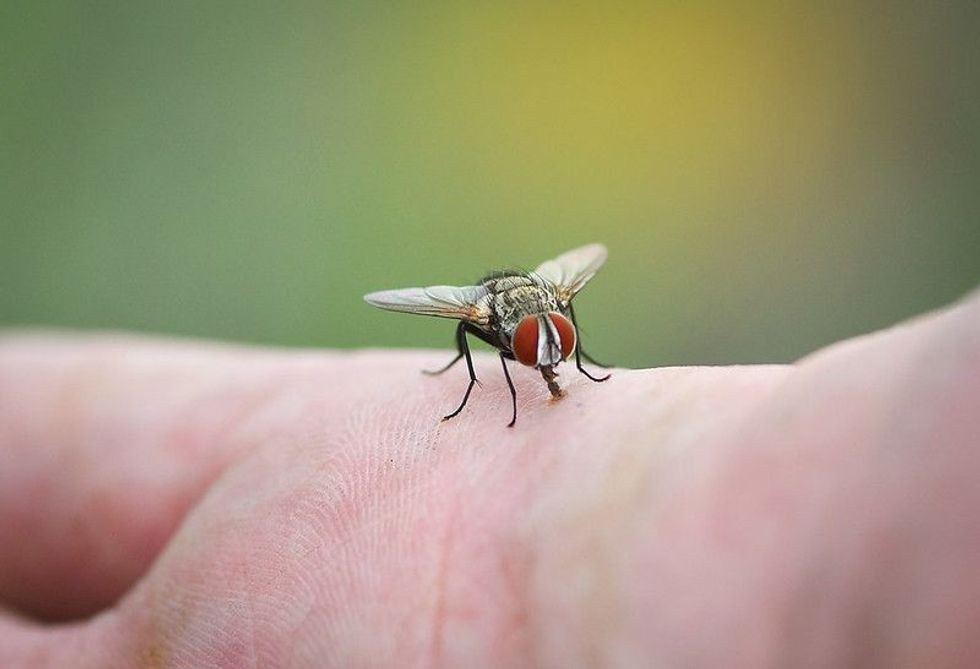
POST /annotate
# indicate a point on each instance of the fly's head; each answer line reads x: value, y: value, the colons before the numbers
x: 543, y: 340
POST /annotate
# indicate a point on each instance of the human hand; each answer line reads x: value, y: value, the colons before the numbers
x: 196, y: 505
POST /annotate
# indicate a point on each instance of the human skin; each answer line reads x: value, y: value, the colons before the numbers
x: 199, y: 505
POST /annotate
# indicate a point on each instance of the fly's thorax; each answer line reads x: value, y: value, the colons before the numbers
x: 511, y: 297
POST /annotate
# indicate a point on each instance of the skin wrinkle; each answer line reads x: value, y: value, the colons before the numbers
x: 442, y: 583
x: 250, y: 432
x: 243, y: 588
x: 562, y: 535
x: 622, y: 485
x: 222, y: 431
x: 202, y: 617
x: 154, y: 651
x: 490, y: 594
x: 500, y: 480
x: 359, y: 522
x: 516, y: 563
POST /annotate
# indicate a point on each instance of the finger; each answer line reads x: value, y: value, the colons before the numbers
x: 463, y: 541
x: 579, y: 528
x: 837, y: 526
x: 104, y: 444
x: 626, y: 525
x: 108, y: 442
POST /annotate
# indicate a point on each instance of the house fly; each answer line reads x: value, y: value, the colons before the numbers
x: 527, y: 316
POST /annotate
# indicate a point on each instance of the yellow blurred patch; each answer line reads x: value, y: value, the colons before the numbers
x: 629, y: 98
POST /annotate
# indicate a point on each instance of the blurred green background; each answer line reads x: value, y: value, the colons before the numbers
x: 768, y: 177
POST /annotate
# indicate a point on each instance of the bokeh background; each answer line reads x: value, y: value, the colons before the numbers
x: 769, y: 177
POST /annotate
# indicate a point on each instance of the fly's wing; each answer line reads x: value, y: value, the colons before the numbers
x: 463, y: 303
x: 570, y: 271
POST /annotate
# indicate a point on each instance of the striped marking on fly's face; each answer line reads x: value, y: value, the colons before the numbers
x: 543, y: 340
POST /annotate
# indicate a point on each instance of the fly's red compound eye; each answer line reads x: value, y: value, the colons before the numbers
x: 524, y: 343
x: 566, y: 332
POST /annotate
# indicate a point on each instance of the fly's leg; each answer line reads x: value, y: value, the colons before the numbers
x: 578, y: 364
x: 452, y: 362
x: 579, y: 353
x: 464, y: 351
x: 513, y: 393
